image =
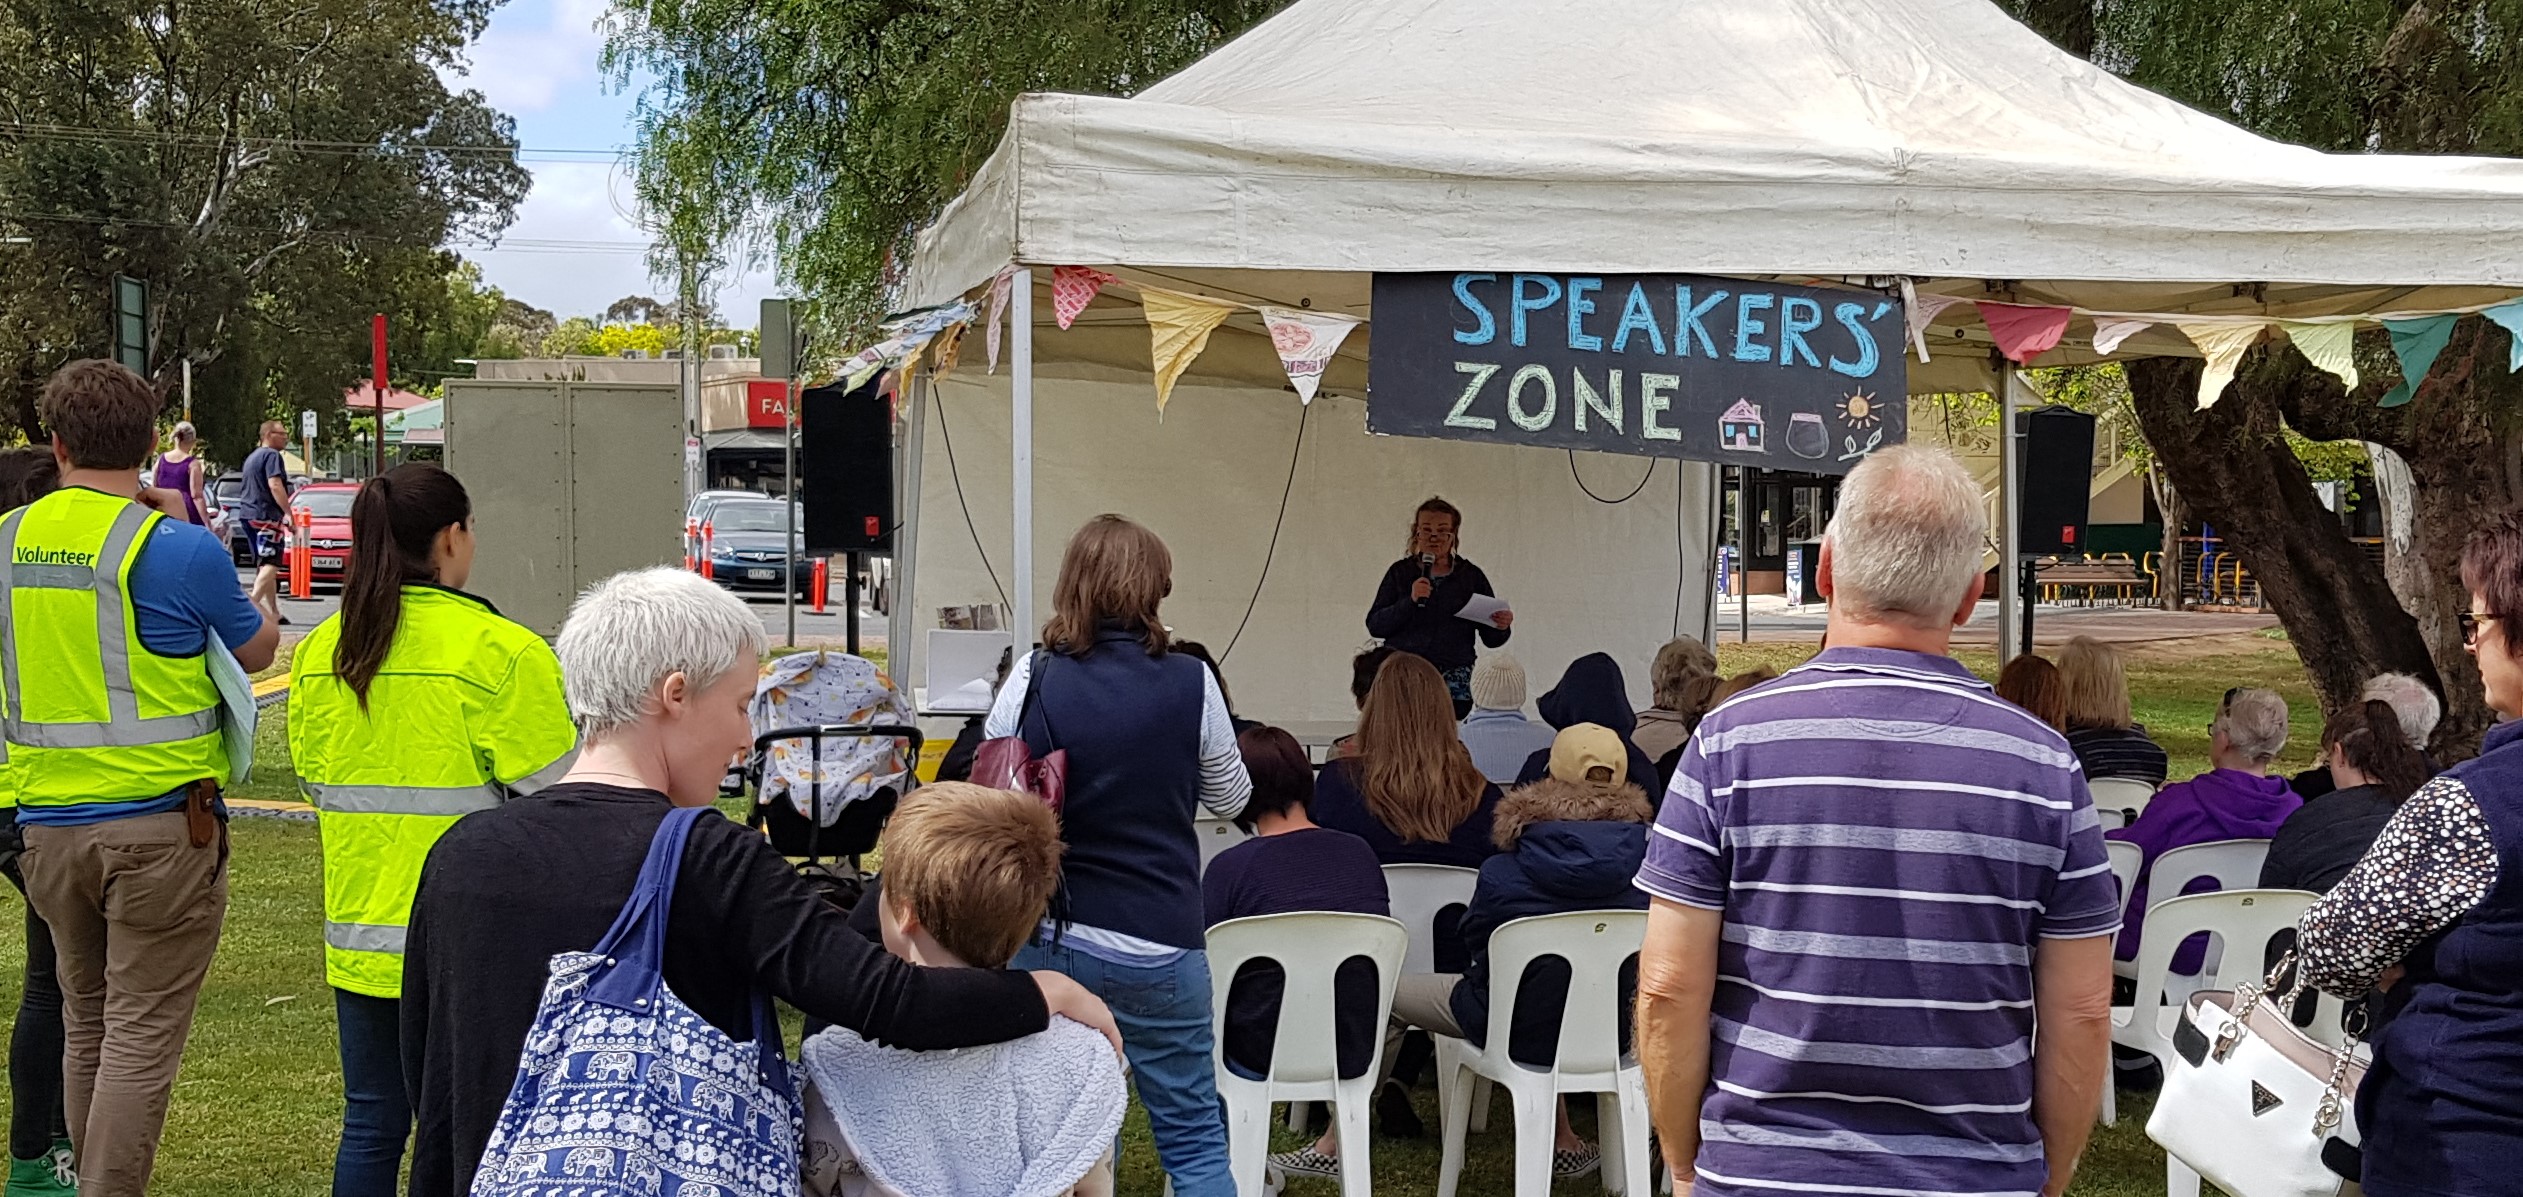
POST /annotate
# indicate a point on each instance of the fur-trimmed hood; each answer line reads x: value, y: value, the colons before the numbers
x: 1551, y: 800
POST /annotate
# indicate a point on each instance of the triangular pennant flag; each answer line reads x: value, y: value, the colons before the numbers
x: 2415, y: 343
x: 2509, y: 316
x: 2330, y: 345
x: 1072, y: 288
x: 1306, y: 342
x: 950, y: 345
x: 998, y: 303
x: 1922, y: 309
x: 2024, y: 332
x: 1178, y: 329
x: 2223, y: 346
x: 2110, y: 331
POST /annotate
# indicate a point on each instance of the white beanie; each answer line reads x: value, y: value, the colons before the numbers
x: 1498, y: 683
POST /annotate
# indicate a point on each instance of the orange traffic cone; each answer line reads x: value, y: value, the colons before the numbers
x: 707, y: 570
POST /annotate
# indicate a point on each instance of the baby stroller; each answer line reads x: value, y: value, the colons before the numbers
x: 833, y: 748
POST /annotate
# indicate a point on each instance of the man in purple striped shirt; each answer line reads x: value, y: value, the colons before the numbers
x: 1872, y: 877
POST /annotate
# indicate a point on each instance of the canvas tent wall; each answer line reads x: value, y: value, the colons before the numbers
x: 1858, y: 141
x: 1584, y: 575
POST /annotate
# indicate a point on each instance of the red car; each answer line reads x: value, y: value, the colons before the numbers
x: 327, y: 505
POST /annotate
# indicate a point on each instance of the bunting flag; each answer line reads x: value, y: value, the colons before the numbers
x: 1306, y: 342
x: 2415, y: 343
x: 998, y: 304
x: 1178, y: 329
x: 2110, y: 331
x: 1072, y: 288
x: 1922, y: 310
x: 2330, y: 345
x: 2223, y: 346
x: 950, y: 346
x: 2509, y: 316
x: 2024, y: 332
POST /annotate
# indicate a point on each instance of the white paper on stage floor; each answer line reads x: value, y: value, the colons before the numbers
x: 1481, y: 607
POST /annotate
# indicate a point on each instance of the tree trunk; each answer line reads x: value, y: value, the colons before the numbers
x: 2168, y: 566
x: 2235, y: 470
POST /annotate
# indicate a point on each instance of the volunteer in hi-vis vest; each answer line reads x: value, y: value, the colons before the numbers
x: 415, y: 706
x: 114, y: 758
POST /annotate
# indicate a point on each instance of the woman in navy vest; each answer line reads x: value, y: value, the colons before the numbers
x: 1149, y: 744
x: 2433, y: 914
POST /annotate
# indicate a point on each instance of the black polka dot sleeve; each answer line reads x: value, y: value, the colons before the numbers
x: 2433, y: 862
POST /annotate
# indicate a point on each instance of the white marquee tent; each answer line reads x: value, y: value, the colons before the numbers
x: 1840, y: 140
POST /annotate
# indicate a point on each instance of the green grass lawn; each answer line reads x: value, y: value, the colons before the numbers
x: 256, y: 1110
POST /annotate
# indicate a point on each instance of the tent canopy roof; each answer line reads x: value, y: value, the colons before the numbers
x: 1806, y: 139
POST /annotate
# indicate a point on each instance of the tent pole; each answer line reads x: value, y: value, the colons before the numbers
x: 1021, y: 436
x: 911, y: 445
x: 1743, y: 551
x: 2010, y: 537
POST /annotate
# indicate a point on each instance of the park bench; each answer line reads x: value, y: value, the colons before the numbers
x: 2090, y: 578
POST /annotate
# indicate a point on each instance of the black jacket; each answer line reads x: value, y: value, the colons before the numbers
x: 2325, y: 837
x: 1432, y: 629
x: 1592, y: 692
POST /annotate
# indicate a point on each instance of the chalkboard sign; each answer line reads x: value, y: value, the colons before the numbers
x: 1663, y: 365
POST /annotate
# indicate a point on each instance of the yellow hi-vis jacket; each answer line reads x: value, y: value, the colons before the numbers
x: 92, y: 715
x: 466, y: 710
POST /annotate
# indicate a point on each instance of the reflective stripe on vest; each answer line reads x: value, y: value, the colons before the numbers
x: 402, y: 800
x: 124, y: 727
x: 364, y: 937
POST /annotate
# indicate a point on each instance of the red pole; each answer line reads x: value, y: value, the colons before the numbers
x: 707, y: 536
x: 376, y: 336
x: 301, y: 555
x: 823, y: 580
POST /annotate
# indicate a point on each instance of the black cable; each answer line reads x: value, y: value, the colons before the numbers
x: 1633, y: 491
x: 938, y: 401
x: 1285, y: 491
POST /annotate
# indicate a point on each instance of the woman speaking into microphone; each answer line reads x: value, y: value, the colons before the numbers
x: 1419, y: 605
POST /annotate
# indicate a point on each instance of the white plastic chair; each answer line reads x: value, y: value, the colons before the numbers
x: 1595, y: 943
x: 2126, y: 860
x: 1420, y: 893
x: 2232, y: 864
x: 2243, y: 922
x: 2127, y: 794
x: 1216, y: 835
x: 1305, y: 1053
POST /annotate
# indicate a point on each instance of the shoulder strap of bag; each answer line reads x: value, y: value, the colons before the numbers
x: 1033, y: 691
x: 635, y: 947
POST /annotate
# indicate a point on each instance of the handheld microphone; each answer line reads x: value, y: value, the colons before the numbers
x: 1427, y: 571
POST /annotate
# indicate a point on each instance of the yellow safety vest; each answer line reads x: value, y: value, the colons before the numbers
x: 467, y: 708
x: 92, y: 715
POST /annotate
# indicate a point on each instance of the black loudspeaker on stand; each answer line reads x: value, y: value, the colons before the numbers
x: 845, y: 468
x: 2054, y: 482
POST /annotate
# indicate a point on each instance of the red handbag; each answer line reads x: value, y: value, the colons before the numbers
x: 1009, y: 763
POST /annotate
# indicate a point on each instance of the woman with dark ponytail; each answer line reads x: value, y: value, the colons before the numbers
x: 2377, y: 769
x: 416, y: 705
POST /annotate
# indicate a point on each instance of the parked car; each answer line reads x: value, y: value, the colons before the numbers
x: 327, y: 505
x: 751, y: 548
x: 699, y: 509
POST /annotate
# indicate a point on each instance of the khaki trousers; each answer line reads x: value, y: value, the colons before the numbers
x: 135, y: 911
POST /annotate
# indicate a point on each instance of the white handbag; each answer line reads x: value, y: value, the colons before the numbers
x: 2252, y: 1103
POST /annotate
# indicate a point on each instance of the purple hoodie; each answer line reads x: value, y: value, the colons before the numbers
x: 2220, y: 804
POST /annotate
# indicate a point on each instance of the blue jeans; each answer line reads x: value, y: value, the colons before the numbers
x: 1165, y: 1031
x: 376, y: 1111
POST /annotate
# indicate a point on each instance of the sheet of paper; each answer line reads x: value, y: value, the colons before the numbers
x: 1481, y: 608
x: 237, y: 715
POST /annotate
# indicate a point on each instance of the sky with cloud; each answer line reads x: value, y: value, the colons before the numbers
x: 576, y: 245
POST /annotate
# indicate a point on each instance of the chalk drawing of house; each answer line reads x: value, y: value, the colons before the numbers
x: 1741, y: 428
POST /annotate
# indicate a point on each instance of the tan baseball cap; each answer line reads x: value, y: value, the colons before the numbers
x: 1581, y: 749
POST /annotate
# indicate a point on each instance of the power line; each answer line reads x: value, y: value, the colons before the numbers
x: 305, y: 145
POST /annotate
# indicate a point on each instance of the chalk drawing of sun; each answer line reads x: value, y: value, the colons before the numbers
x: 1860, y: 410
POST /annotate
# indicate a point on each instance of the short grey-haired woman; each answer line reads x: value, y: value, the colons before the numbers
x: 658, y: 665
